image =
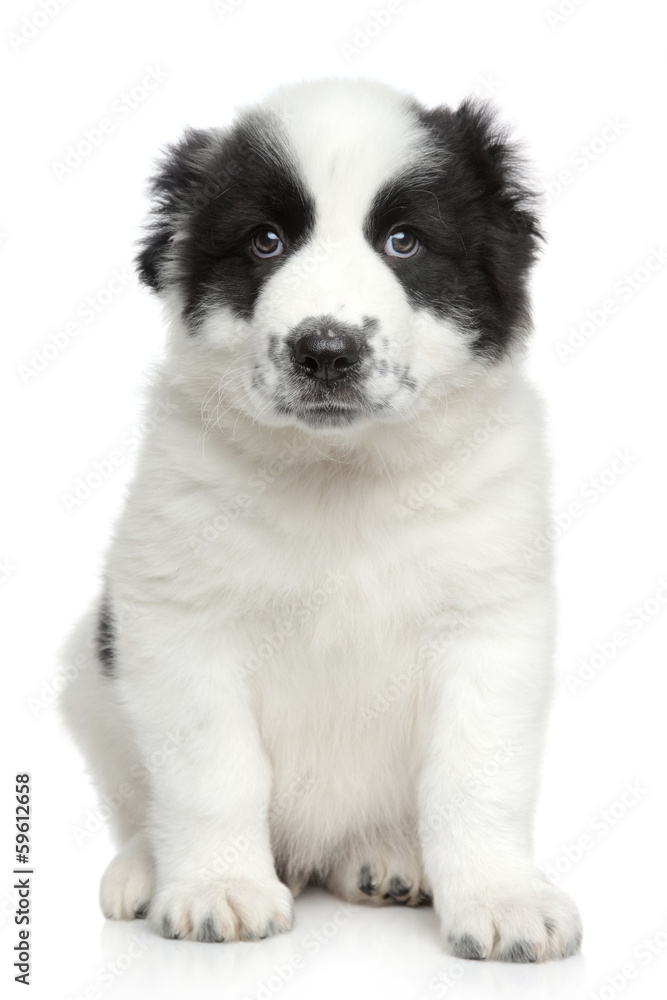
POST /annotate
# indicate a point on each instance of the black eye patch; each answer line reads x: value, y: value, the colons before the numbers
x: 215, y: 190
x: 473, y: 216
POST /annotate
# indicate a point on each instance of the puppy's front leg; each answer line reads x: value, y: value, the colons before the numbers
x: 479, y: 786
x: 209, y: 778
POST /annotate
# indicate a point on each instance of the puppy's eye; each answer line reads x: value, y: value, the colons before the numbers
x: 266, y: 243
x: 402, y: 243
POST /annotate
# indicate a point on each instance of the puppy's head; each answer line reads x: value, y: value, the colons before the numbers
x: 341, y: 255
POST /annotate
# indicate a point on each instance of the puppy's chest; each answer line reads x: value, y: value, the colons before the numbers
x: 347, y: 547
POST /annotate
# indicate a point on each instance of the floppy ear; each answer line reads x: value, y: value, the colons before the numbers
x: 485, y: 178
x: 174, y: 190
x: 499, y: 169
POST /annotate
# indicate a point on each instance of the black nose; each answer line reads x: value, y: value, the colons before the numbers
x: 327, y: 353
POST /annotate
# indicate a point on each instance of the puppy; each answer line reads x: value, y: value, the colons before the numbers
x: 323, y: 649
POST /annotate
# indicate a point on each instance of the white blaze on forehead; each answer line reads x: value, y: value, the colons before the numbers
x: 348, y: 138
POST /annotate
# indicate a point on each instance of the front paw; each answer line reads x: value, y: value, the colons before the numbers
x: 236, y: 909
x: 536, y: 923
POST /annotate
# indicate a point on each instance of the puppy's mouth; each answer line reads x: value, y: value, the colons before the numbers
x: 322, y: 403
x: 331, y: 414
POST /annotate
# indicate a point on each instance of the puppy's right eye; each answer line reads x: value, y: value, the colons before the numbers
x: 266, y: 243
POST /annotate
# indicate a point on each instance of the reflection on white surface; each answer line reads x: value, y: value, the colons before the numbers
x: 334, y: 950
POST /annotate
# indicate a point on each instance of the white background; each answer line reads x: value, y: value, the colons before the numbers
x: 557, y: 79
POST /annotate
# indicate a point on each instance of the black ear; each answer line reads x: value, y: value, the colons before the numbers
x: 499, y: 169
x: 493, y: 207
x: 175, y: 189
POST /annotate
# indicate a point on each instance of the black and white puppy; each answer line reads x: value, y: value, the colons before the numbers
x: 321, y: 652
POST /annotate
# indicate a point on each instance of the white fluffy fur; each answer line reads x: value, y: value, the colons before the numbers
x: 349, y: 676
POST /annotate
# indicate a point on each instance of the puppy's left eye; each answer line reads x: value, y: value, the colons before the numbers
x: 402, y: 243
x: 266, y: 243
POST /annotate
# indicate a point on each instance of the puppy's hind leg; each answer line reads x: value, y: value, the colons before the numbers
x: 90, y: 711
x: 128, y: 882
x: 380, y: 872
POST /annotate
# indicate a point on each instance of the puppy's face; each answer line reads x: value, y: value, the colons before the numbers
x: 342, y: 255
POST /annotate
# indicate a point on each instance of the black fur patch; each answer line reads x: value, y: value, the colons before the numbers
x: 367, y: 881
x: 475, y: 219
x: 466, y: 946
x: 423, y: 897
x: 168, y: 930
x: 208, y: 931
x: 106, y: 639
x: 214, y: 189
x: 520, y: 951
x: 399, y: 889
